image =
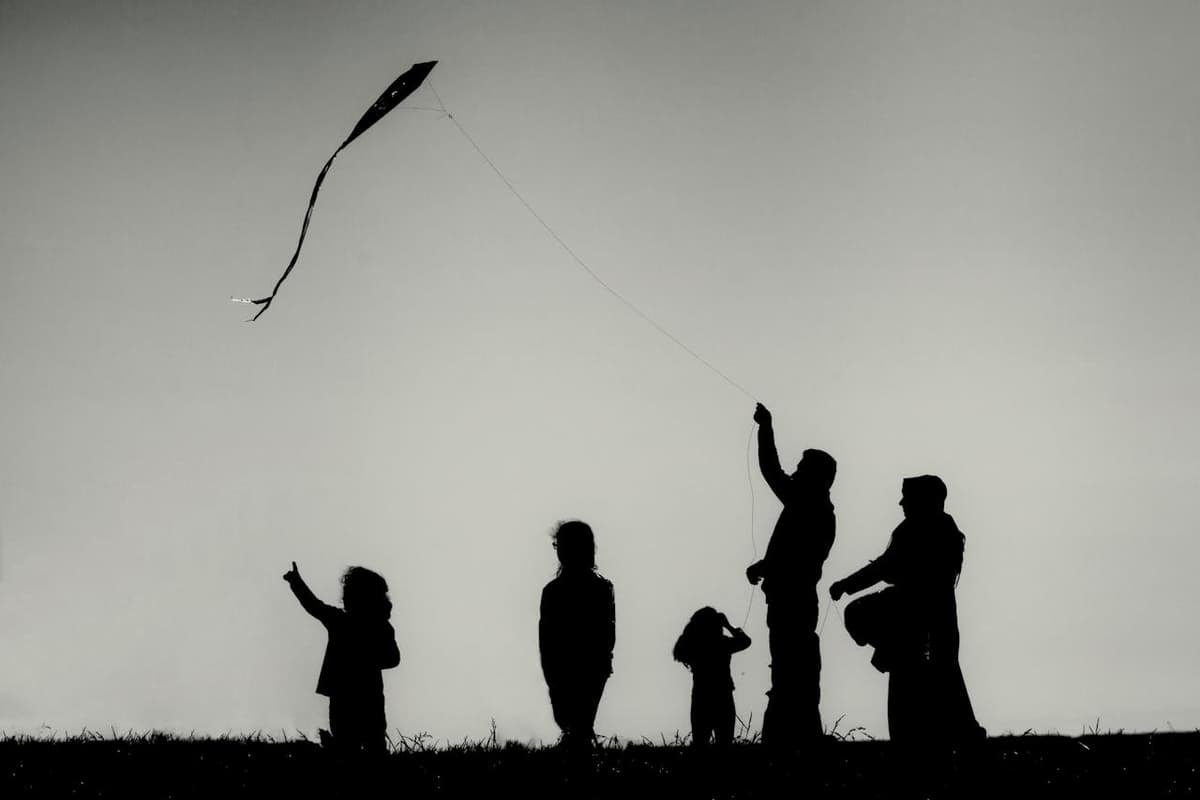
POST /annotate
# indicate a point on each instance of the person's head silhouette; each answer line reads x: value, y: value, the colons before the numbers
x: 705, y: 623
x: 576, y: 546
x: 816, y: 470
x: 702, y: 632
x: 365, y: 593
x: 922, y: 496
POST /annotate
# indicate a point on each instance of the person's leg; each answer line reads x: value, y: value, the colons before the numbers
x: 774, y: 725
x: 565, y: 702
x: 903, y: 769
x: 723, y: 719
x: 376, y: 726
x: 560, y: 707
x: 699, y: 726
x: 780, y: 720
x: 915, y: 714
x: 899, y: 713
x: 810, y: 668
x: 360, y: 723
x: 590, y: 706
x: 336, y: 727
x: 961, y: 720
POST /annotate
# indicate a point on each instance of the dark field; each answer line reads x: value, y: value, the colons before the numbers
x: 1132, y: 765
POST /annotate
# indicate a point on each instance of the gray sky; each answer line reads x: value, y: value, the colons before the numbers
x: 932, y: 237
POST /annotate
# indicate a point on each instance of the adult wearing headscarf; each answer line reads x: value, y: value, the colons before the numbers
x: 927, y: 696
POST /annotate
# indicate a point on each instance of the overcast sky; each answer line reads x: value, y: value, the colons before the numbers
x: 950, y: 238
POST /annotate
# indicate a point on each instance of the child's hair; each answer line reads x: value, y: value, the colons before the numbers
x: 365, y: 592
x: 576, y: 545
x: 701, y: 627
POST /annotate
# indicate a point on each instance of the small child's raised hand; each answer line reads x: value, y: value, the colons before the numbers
x: 292, y: 574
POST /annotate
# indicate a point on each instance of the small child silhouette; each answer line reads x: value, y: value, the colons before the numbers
x: 362, y: 643
x: 704, y: 649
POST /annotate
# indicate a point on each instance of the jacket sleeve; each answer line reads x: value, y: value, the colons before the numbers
x: 881, y: 569
x: 546, y: 632
x: 390, y: 655
x: 738, y: 642
x: 610, y: 631
x: 327, y: 614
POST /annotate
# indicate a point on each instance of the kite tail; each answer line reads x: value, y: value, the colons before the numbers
x: 265, y: 302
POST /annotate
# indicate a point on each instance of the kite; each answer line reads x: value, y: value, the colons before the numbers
x: 401, y: 88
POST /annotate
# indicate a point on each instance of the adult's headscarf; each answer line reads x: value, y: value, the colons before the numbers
x: 927, y: 491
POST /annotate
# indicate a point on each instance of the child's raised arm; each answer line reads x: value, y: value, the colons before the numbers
x: 307, y: 599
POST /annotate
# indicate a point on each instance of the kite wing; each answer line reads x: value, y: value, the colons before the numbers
x: 393, y: 96
x: 401, y: 88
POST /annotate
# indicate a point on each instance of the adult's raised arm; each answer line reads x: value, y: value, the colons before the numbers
x: 768, y: 456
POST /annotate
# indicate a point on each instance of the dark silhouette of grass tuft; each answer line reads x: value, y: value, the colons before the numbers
x: 845, y: 765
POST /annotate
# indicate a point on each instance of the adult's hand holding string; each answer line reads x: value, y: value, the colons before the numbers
x: 761, y: 415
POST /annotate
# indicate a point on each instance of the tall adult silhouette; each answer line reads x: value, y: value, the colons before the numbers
x: 576, y: 634
x: 789, y: 572
x: 927, y: 696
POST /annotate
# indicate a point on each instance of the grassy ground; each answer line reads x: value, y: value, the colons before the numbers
x: 1022, y: 767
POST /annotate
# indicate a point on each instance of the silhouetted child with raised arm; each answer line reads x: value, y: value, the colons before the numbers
x: 576, y: 634
x: 361, y: 644
x: 704, y: 649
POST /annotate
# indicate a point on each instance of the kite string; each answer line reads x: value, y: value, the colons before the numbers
x: 628, y: 304
x: 753, y: 540
x: 824, y: 619
x: 583, y: 264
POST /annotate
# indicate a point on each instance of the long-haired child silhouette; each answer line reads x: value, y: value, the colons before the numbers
x: 576, y: 635
x: 704, y: 649
x: 362, y: 643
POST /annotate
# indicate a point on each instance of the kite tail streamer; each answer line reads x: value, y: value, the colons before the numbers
x: 265, y: 302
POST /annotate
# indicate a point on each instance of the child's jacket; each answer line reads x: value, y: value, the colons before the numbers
x: 358, y: 649
x: 711, y: 667
x: 356, y: 654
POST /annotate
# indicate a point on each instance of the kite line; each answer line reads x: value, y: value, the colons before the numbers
x: 579, y: 260
x: 753, y: 540
x: 626, y: 302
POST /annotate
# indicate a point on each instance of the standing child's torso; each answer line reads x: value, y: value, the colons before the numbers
x: 355, y: 656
